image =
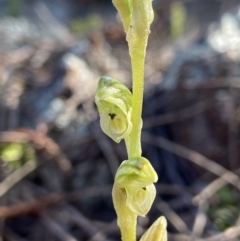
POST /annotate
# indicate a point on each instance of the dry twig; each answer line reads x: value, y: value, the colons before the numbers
x: 173, y: 217
x: 227, y: 235
x: 16, y: 176
x: 179, y: 115
x: 194, y: 157
x: 56, y: 229
x: 212, y: 188
x: 200, y: 222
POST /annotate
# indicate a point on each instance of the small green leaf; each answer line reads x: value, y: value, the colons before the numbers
x: 141, y: 201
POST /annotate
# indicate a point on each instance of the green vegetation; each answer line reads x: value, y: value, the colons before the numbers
x: 16, y: 154
x: 82, y: 25
x: 224, y: 209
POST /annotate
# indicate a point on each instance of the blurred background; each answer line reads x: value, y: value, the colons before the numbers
x: 56, y: 165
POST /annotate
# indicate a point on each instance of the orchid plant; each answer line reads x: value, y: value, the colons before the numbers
x: 120, y: 118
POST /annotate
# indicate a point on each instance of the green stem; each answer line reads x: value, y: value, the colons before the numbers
x: 137, y: 37
x: 137, y: 60
x: 127, y: 144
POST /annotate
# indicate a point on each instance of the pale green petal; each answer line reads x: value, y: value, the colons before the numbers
x: 115, y: 125
x: 157, y: 232
x: 113, y: 104
x: 135, y: 172
x: 142, y: 200
x: 109, y: 87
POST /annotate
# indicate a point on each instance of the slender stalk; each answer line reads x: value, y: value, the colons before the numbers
x: 137, y: 60
x: 137, y: 37
x: 127, y: 144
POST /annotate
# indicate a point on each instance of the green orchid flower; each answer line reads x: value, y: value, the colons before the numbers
x: 114, y: 102
x: 136, y: 177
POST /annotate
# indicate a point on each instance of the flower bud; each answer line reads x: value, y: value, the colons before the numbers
x: 157, y: 232
x: 124, y: 8
x: 114, y: 102
x: 136, y: 176
x: 136, y: 15
x: 141, y: 18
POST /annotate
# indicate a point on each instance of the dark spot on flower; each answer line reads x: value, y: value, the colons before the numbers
x: 112, y: 115
x: 144, y: 188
